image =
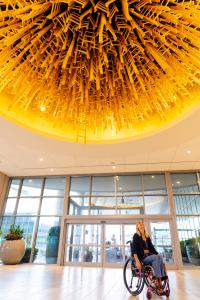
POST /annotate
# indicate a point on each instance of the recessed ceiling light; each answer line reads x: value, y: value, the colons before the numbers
x: 42, y: 107
x: 114, y: 167
x: 152, y: 176
x: 41, y: 159
x: 51, y: 169
x: 178, y: 182
x: 189, y: 151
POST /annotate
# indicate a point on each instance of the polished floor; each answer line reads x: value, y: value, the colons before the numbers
x: 38, y: 282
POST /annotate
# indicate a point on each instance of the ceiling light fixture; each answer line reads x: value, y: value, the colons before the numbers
x: 42, y: 108
x: 189, y: 151
x: 101, y: 67
x: 41, y: 159
x: 178, y: 182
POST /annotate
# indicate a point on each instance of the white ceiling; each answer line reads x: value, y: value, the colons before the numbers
x: 21, y: 149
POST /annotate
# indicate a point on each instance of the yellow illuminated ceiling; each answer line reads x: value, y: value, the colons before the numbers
x: 94, y: 71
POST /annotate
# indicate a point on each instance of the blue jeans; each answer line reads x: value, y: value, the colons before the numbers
x: 156, y: 262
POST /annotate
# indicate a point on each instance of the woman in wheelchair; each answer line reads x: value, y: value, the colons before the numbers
x: 145, y: 253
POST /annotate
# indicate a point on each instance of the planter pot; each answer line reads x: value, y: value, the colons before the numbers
x: 185, y: 259
x: 12, y: 251
x: 52, y: 250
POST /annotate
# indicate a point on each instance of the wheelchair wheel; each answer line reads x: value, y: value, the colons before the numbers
x: 149, y: 276
x: 133, y: 278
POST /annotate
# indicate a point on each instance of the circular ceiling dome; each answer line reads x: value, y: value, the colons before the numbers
x: 94, y: 71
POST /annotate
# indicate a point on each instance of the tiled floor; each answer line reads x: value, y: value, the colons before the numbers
x: 37, y: 282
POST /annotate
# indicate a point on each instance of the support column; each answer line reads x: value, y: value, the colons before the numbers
x: 62, y: 243
x: 3, y: 189
x: 175, y: 237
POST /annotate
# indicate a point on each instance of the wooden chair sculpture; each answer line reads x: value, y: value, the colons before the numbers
x: 99, y: 64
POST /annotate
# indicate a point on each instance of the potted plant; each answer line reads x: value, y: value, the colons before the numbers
x: 192, y: 250
x: 52, y: 245
x: 88, y: 256
x: 184, y: 252
x: 13, y: 247
x: 27, y: 254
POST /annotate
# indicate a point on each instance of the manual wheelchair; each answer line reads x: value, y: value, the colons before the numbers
x: 135, y: 279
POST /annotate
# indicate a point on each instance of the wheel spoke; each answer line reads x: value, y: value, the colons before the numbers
x: 133, y: 278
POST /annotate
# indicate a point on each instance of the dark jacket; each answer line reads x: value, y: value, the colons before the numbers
x: 138, y: 246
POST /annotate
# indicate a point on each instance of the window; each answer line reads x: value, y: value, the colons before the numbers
x: 103, y: 185
x: 154, y: 184
x: 156, y: 205
x: 184, y: 183
x: 187, y: 207
x: 161, y: 238
x: 187, y: 204
x: 10, y: 206
x: 120, y: 194
x: 31, y: 187
x: 80, y: 186
x: 28, y: 206
x: 14, y: 188
x: 54, y: 187
x: 33, y: 201
x: 128, y: 185
x: 47, y: 241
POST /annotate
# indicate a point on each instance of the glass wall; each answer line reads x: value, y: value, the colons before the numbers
x: 84, y: 243
x: 118, y: 195
x: 187, y: 206
x: 36, y: 204
x: 161, y: 238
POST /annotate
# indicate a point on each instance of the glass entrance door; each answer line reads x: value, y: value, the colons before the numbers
x: 105, y: 244
x: 116, y: 236
x: 84, y: 244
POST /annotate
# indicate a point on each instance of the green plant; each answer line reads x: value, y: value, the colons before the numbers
x: 190, y: 242
x: 1, y: 231
x: 198, y: 239
x: 52, y: 244
x: 27, y: 254
x: 183, y: 248
x: 88, y: 254
x: 54, y: 231
x: 15, y: 233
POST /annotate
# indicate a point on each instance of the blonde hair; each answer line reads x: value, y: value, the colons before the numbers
x: 138, y: 231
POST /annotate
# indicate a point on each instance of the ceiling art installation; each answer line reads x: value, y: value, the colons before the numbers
x: 98, y: 71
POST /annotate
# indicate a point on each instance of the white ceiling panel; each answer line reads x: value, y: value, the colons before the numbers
x: 21, y: 150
